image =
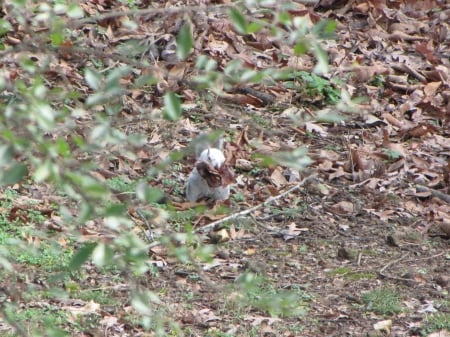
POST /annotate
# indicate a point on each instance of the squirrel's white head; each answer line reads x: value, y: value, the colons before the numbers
x: 213, y: 156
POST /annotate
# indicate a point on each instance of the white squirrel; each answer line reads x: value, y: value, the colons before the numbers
x: 211, y: 177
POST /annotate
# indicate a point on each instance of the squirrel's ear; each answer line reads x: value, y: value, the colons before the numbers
x: 218, y: 143
x: 207, y: 140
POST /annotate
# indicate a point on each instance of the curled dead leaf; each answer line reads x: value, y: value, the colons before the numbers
x: 277, y: 177
x: 421, y: 130
x: 383, y: 326
x: 223, y: 176
x: 244, y: 164
x: 343, y: 207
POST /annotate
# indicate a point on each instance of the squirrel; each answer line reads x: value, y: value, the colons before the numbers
x: 211, y: 176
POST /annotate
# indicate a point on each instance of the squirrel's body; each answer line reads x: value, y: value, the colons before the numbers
x: 202, y: 182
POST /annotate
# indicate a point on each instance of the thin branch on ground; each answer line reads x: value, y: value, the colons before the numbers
x: 435, y: 193
x: 215, y: 224
x: 382, y: 270
x: 211, y: 226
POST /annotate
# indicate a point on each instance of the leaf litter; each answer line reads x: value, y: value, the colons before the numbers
x: 380, y: 177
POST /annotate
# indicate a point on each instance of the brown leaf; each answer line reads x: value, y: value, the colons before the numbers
x: 421, y: 130
x: 277, y: 177
x: 427, y: 50
x: 343, y: 207
x: 209, y: 173
x: 447, y: 173
x: 357, y: 161
x: 215, y: 177
x: 431, y: 88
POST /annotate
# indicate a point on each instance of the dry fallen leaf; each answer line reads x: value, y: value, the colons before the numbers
x: 215, y: 177
x: 277, y: 177
x: 343, y: 207
x: 383, y: 326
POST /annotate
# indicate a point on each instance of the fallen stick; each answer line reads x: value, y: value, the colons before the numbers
x: 382, y: 270
x: 216, y: 223
x: 435, y: 193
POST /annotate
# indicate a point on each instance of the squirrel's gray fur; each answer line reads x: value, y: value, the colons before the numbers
x: 197, y: 187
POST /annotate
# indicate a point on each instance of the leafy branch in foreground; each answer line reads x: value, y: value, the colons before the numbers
x: 66, y: 129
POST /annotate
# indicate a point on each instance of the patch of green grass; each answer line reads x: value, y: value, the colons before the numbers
x: 356, y: 276
x: 339, y: 271
x: 349, y: 274
x: 303, y: 248
x: 174, y: 185
x: 261, y: 120
x: 121, y: 184
x: 436, y: 322
x: 333, y: 147
x: 238, y: 197
x: 43, y: 251
x: 180, y: 218
x: 392, y: 155
x: 378, y: 81
x: 35, y: 319
x: 291, y: 213
x: 48, y: 256
x: 256, y: 171
x: 384, y: 301
x: 100, y: 296
x: 259, y: 293
x: 213, y: 332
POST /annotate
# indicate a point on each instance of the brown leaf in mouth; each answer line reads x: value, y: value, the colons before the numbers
x: 215, y: 177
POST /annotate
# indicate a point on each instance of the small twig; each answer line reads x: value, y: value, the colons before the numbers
x: 214, y: 224
x: 429, y: 257
x: 149, y: 228
x: 435, y: 193
x: 381, y: 272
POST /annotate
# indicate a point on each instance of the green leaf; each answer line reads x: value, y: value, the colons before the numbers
x: 172, y: 107
x: 322, y: 60
x: 116, y: 210
x: 92, y: 78
x: 102, y: 255
x: 325, y: 29
x: 63, y: 148
x: 95, y: 99
x: 145, y: 80
x: 57, y: 38
x: 296, y: 159
x: 284, y: 18
x: 184, y: 42
x: 114, y: 76
x: 5, y: 26
x: 253, y: 27
x: 6, y: 154
x: 43, y: 171
x: 301, y: 48
x: 82, y: 256
x: 74, y: 11
x: 239, y: 21
x: 14, y: 174
x: 141, y: 302
x: 148, y: 193
x: 328, y: 116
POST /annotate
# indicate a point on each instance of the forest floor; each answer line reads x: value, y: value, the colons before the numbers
x: 361, y: 249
